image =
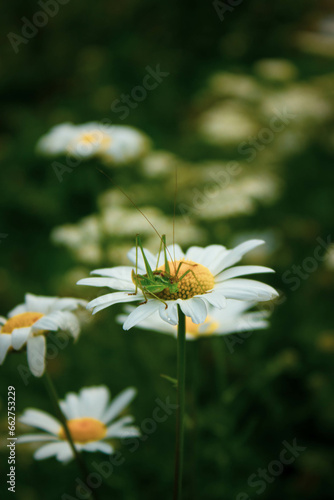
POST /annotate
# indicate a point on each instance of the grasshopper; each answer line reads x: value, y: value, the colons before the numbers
x: 155, y: 282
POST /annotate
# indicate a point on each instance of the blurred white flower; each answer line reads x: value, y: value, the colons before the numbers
x: 89, y: 415
x: 276, y: 70
x: 28, y: 323
x: 113, y: 143
x: 226, y: 124
x: 235, y: 317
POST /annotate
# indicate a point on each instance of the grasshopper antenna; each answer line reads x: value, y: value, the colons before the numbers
x: 133, y: 203
x: 174, y: 212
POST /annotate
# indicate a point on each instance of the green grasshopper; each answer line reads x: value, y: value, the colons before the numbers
x: 155, y: 282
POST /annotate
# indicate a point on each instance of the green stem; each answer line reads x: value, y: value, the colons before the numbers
x: 54, y: 398
x: 181, y: 372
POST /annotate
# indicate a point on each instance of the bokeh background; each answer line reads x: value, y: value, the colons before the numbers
x: 229, y: 73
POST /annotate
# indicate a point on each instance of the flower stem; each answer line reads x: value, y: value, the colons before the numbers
x: 54, y: 398
x: 181, y: 372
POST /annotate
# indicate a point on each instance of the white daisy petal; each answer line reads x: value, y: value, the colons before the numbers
x: 36, y: 349
x: 112, y: 298
x: 70, y: 406
x: 211, y: 257
x: 233, y: 256
x: 59, y: 320
x: 244, y: 289
x: 2, y: 321
x: 107, y: 282
x: 31, y: 438
x: 121, y: 429
x: 67, y: 304
x: 120, y: 272
x: 93, y: 401
x: 41, y: 420
x: 17, y: 310
x: 61, y: 450
x: 236, y: 271
x: 195, y: 308
x: 140, y: 313
x: 20, y: 337
x: 169, y: 313
x: 39, y: 303
x: 5, y: 344
x: 98, y: 446
x: 215, y: 299
x: 118, y: 404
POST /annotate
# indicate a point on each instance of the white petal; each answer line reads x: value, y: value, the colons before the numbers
x: 67, y: 304
x: 31, y: 438
x: 36, y: 355
x: 244, y: 289
x: 152, y: 260
x: 118, y: 404
x: 61, y: 450
x: 98, y: 446
x: 107, y: 282
x: 59, y: 320
x: 121, y: 429
x: 195, y: 254
x: 233, y: 256
x: 17, y: 310
x: 70, y: 406
x: 122, y: 273
x: 39, y: 303
x: 233, y: 272
x: 5, y: 344
x: 195, y: 308
x: 140, y: 313
x: 41, y: 420
x: 112, y: 298
x: 169, y: 313
x: 215, y: 298
x: 93, y: 401
x: 211, y: 257
x: 20, y: 337
x: 3, y: 320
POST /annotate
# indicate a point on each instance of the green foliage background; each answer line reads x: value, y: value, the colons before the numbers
x: 275, y: 386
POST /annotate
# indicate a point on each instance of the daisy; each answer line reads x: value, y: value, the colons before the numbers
x: 28, y: 323
x: 114, y: 143
x: 234, y: 318
x: 209, y: 281
x: 88, y: 415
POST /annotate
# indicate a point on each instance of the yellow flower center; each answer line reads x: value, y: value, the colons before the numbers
x: 83, y: 430
x: 94, y: 138
x: 207, y: 328
x: 191, y: 278
x: 22, y: 320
